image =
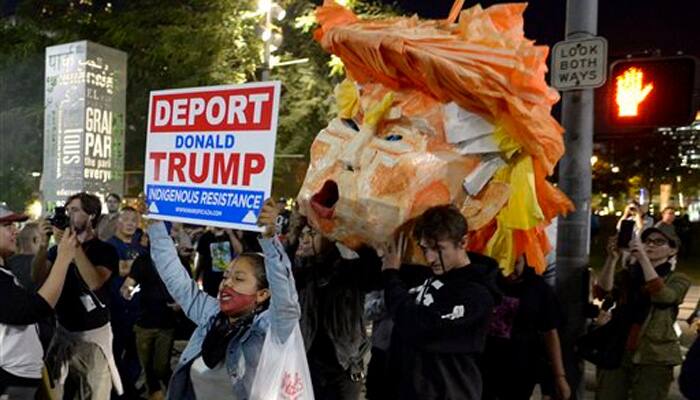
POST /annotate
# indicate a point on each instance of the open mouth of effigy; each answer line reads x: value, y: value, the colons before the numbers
x: 323, y: 202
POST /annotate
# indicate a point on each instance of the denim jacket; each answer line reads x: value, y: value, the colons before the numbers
x: 243, y: 354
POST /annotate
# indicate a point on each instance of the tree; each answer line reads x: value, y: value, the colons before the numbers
x: 21, y: 111
x: 170, y: 44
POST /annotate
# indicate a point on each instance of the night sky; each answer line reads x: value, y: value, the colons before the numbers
x: 630, y: 26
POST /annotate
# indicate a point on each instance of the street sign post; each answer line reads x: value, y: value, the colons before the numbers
x: 585, y: 55
x: 579, y: 64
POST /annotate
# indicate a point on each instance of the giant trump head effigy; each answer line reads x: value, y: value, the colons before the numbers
x: 432, y: 112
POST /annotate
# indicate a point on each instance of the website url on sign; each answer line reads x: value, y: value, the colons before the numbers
x: 198, y: 211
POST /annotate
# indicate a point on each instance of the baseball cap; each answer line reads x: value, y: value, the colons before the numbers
x: 7, y: 215
x: 666, y: 231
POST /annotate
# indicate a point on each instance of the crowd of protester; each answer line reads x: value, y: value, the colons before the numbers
x: 91, y: 306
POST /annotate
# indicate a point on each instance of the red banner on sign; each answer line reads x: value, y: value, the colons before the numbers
x: 236, y: 110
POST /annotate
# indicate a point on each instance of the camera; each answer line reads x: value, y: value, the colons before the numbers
x: 59, y: 218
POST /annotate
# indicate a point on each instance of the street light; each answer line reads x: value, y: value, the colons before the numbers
x: 271, y: 10
x: 264, y: 6
x: 272, y: 38
x: 277, y: 12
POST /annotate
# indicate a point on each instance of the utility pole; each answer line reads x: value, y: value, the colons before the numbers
x: 573, y: 231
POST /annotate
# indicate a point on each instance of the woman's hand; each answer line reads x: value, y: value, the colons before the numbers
x: 613, y: 250
x: 268, y: 218
x: 637, y: 249
x: 603, y: 318
x: 562, y: 388
x: 67, y: 247
x: 45, y: 232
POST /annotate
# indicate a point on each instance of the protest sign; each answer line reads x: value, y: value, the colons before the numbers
x: 210, y: 153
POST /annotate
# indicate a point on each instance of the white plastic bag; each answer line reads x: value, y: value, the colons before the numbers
x: 283, y: 372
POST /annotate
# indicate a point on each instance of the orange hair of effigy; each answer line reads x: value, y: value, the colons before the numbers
x: 483, y: 62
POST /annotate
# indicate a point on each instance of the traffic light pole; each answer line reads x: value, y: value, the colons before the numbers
x: 575, y: 180
x: 267, y: 50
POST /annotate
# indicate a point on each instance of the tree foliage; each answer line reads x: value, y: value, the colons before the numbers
x: 170, y: 44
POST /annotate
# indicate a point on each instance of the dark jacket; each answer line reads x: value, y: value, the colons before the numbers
x: 332, y: 293
x: 440, y: 326
x: 688, y: 381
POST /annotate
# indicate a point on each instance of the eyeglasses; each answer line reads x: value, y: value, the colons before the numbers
x: 656, y: 242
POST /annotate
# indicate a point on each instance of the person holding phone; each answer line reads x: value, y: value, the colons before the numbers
x: 637, y: 213
x: 82, y: 344
x: 647, y: 293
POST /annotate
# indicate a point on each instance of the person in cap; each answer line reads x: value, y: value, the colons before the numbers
x: 21, y: 352
x: 647, y: 292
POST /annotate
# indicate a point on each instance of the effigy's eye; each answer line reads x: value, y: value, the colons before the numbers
x: 393, y: 138
x: 351, y: 124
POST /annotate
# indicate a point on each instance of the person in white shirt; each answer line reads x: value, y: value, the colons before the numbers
x: 21, y: 352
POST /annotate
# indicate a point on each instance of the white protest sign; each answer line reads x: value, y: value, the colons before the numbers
x: 210, y: 153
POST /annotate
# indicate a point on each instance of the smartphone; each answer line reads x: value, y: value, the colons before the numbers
x: 624, y: 236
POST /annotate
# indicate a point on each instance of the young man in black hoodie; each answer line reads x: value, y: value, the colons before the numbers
x: 439, y: 326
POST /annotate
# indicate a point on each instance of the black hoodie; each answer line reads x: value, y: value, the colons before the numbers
x: 440, y: 326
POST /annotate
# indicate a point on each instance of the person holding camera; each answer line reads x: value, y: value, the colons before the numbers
x: 21, y: 351
x: 646, y: 293
x: 82, y: 344
x: 637, y: 213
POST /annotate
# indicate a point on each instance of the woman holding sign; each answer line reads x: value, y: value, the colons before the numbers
x: 257, y: 296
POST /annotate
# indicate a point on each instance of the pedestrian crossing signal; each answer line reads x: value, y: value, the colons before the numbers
x: 653, y: 92
x: 630, y: 91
